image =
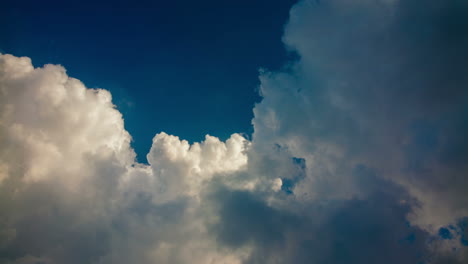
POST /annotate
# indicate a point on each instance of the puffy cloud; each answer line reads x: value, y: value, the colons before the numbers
x: 358, y: 155
x: 52, y: 125
x: 380, y: 87
x: 71, y: 191
x: 378, y: 83
x: 182, y: 168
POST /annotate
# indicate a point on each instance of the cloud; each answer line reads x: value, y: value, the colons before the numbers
x: 71, y: 191
x: 182, y: 169
x: 351, y: 231
x: 378, y: 83
x: 358, y: 155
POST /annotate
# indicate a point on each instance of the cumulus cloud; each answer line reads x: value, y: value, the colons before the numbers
x: 182, y: 168
x: 378, y: 83
x: 358, y: 155
x: 71, y: 191
x: 379, y: 86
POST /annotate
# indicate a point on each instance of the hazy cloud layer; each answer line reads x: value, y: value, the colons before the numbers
x: 359, y: 155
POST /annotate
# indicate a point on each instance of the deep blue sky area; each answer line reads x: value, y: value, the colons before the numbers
x: 188, y: 68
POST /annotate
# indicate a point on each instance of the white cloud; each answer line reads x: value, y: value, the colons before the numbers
x: 51, y: 124
x: 182, y: 168
x: 70, y: 183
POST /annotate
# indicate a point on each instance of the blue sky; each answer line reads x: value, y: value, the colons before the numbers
x: 189, y: 68
x: 349, y: 146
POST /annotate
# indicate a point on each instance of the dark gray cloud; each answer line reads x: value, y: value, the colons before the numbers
x: 359, y: 230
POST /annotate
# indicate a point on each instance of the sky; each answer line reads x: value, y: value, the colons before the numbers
x: 160, y: 59
x: 329, y: 131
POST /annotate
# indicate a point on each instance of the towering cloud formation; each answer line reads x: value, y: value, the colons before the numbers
x: 381, y: 84
x: 359, y: 155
